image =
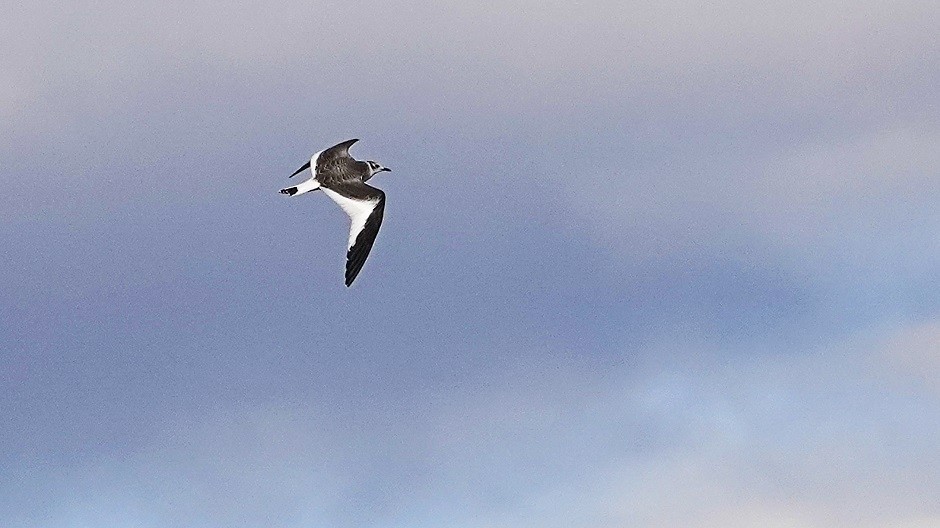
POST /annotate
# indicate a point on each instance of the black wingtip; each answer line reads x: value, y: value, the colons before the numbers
x: 289, y: 191
x: 352, y: 273
x: 301, y: 169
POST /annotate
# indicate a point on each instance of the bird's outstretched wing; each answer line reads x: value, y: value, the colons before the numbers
x: 335, y: 163
x: 365, y: 206
x: 333, y: 159
x: 340, y: 150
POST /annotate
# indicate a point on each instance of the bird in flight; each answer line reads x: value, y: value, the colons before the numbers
x: 344, y: 179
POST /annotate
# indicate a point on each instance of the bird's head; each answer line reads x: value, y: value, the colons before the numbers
x: 375, y: 168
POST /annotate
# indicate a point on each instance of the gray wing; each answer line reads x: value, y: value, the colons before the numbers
x: 334, y: 153
x: 335, y: 163
x: 365, y: 206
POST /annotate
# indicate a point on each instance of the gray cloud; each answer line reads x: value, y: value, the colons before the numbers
x: 672, y: 96
x: 684, y: 436
x: 913, y: 353
x: 822, y: 201
x: 502, y: 56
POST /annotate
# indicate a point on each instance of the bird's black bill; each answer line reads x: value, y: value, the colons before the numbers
x: 386, y: 169
x: 298, y: 171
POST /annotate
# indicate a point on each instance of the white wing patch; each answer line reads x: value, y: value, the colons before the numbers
x: 358, y: 211
x: 313, y: 163
x: 310, y: 185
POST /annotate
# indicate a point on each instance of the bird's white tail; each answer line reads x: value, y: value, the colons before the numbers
x: 310, y: 185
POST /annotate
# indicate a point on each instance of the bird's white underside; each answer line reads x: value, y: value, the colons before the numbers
x: 358, y: 211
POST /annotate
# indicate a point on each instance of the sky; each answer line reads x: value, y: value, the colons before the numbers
x: 643, y: 264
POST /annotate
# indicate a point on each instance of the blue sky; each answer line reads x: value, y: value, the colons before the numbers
x: 669, y: 265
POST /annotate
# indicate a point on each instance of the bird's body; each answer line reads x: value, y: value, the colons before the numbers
x: 343, y: 178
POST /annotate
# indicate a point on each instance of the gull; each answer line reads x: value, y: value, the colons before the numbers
x: 344, y: 179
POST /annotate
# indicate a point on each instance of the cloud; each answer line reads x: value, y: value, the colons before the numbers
x: 790, y: 440
x: 860, y: 202
x: 695, y: 433
x: 914, y: 354
x: 497, y: 56
x: 693, y: 123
